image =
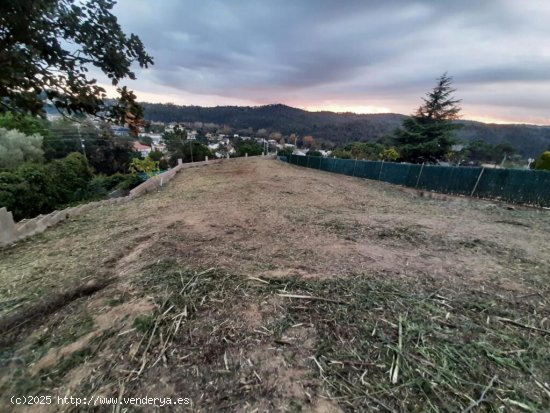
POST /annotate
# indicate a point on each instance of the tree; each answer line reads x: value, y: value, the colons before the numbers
x: 308, y: 141
x: 156, y: 155
x: 16, y: 148
x: 543, y: 162
x: 176, y: 141
x: 46, y: 49
x: 277, y: 136
x: 479, y: 151
x: 146, y: 140
x: 106, y: 153
x: 427, y: 136
x: 250, y: 147
x: 26, y: 124
x: 285, y: 152
x: 179, y: 147
x: 33, y: 189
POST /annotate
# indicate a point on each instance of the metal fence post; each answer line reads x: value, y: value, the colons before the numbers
x: 419, y: 175
x: 354, y: 165
x: 307, y: 161
x: 477, y: 182
x: 380, y: 172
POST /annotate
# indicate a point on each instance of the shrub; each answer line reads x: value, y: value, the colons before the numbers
x: 33, y: 189
x: 100, y: 186
x: 543, y: 162
x: 146, y: 166
x: 252, y: 148
x: 130, y: 181
x: 26, y: 191
x: 70, y: 177
x: 284, y: 152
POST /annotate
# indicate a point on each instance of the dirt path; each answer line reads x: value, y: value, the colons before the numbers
x: 258, y: 219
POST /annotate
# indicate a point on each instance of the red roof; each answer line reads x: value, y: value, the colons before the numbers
x: 139, y: 147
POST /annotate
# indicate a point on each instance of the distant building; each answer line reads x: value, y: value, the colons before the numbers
x: 143, y: 150
x: 120, y: 130
x: 155, y: 137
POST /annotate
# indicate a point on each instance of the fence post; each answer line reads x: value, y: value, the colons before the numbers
x: 320, y: 160
x: 354, y: 165
x: 419, y: 175
x: 380, y: 172
x: 7, y: 227
x: 477, y: 182
x: 307, y: 161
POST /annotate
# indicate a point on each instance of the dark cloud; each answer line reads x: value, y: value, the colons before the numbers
x: 348, y: 53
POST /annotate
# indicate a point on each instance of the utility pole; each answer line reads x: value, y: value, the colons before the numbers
x: 81, y: 141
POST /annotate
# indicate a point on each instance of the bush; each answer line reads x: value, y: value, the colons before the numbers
x: 100, y: 186
x: 145, y: 166
x: 70, y: 177
x: 285, y: 152
x: 163, y: 164
x: 543, y: 162
x: 33, y: 189
x: 130, y: 181
x: 252, y: 148
x: 26, y: 191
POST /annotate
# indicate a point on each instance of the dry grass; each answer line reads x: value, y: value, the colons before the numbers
x: 258, y: 285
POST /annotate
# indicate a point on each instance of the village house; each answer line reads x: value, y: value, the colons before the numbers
x: 143, y: 150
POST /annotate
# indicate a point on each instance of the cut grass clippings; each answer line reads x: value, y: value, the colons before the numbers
x: 397, y: 350
x: 378, y: 345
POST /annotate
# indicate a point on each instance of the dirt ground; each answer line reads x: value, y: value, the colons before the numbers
x: 187, y: 292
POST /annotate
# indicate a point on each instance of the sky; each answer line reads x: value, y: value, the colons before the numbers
x: 360, y: 56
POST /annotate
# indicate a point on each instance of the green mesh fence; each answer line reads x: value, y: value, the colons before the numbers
x: 512, y: 185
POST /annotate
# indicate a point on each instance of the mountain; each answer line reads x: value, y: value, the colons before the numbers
x: 340, y: 128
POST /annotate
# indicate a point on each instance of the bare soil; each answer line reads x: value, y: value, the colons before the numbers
x: 193, y: 307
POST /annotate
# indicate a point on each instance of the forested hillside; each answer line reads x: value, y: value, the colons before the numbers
x: 340, y: 128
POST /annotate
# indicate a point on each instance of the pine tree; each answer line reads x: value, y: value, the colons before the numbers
x: 427, y: 136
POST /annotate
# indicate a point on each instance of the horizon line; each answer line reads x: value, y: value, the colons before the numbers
x: 480, y: 119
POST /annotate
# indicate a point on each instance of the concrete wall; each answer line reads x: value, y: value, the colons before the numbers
x: 11, y: 231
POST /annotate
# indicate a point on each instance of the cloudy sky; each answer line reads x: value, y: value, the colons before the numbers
x: 344, y: 55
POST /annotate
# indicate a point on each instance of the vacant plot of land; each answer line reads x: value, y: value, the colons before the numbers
x: 254, y: 285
